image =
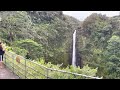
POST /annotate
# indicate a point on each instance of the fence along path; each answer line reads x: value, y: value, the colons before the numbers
x: 27, y: 69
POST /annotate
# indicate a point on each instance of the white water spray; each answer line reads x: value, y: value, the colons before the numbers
x: 74, y: 49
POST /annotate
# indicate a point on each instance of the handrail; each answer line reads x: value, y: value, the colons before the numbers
x: 66, y: 71
x: 44, y: 68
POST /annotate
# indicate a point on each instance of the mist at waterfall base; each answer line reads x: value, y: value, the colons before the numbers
x: 74, y: 50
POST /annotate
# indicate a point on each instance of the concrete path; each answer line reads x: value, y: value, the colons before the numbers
x: 5, y: 73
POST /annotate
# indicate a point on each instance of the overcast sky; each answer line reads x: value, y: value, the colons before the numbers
x: 81, y: 15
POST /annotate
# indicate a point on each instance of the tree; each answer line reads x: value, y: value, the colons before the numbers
x: 16, y: 23
x: 112, y: 56
x: 33, y: 48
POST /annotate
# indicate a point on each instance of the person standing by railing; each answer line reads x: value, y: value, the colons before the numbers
x: 1, y: 55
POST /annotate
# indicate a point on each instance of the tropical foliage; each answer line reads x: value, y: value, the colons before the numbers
x: 48, y: 35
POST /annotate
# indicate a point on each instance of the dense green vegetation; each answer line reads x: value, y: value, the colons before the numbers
x: 48, y: 35
x: 41, y: 34
x: 102, y: 44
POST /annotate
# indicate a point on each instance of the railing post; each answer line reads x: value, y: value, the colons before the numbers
x: 13, y: 62
x: 47, y: 74
x: 25, y: 69
x: 5, y: 58
x: 74, y: 76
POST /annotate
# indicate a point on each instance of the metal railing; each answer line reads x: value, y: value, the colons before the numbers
x: 28, y: 69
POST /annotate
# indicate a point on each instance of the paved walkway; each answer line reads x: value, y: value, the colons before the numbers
x: 5, y: 73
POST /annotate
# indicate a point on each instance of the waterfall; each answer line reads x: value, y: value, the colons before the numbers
x: 74, y: 49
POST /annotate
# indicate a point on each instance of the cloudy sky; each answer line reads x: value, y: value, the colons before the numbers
x: 81, y: 15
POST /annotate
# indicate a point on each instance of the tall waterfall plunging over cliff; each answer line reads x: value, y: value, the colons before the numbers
x: 74, y: 49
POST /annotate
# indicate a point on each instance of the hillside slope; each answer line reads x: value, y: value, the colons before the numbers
x: 41, y: 34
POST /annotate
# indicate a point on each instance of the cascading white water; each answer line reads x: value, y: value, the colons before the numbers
x: 74, y: 49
